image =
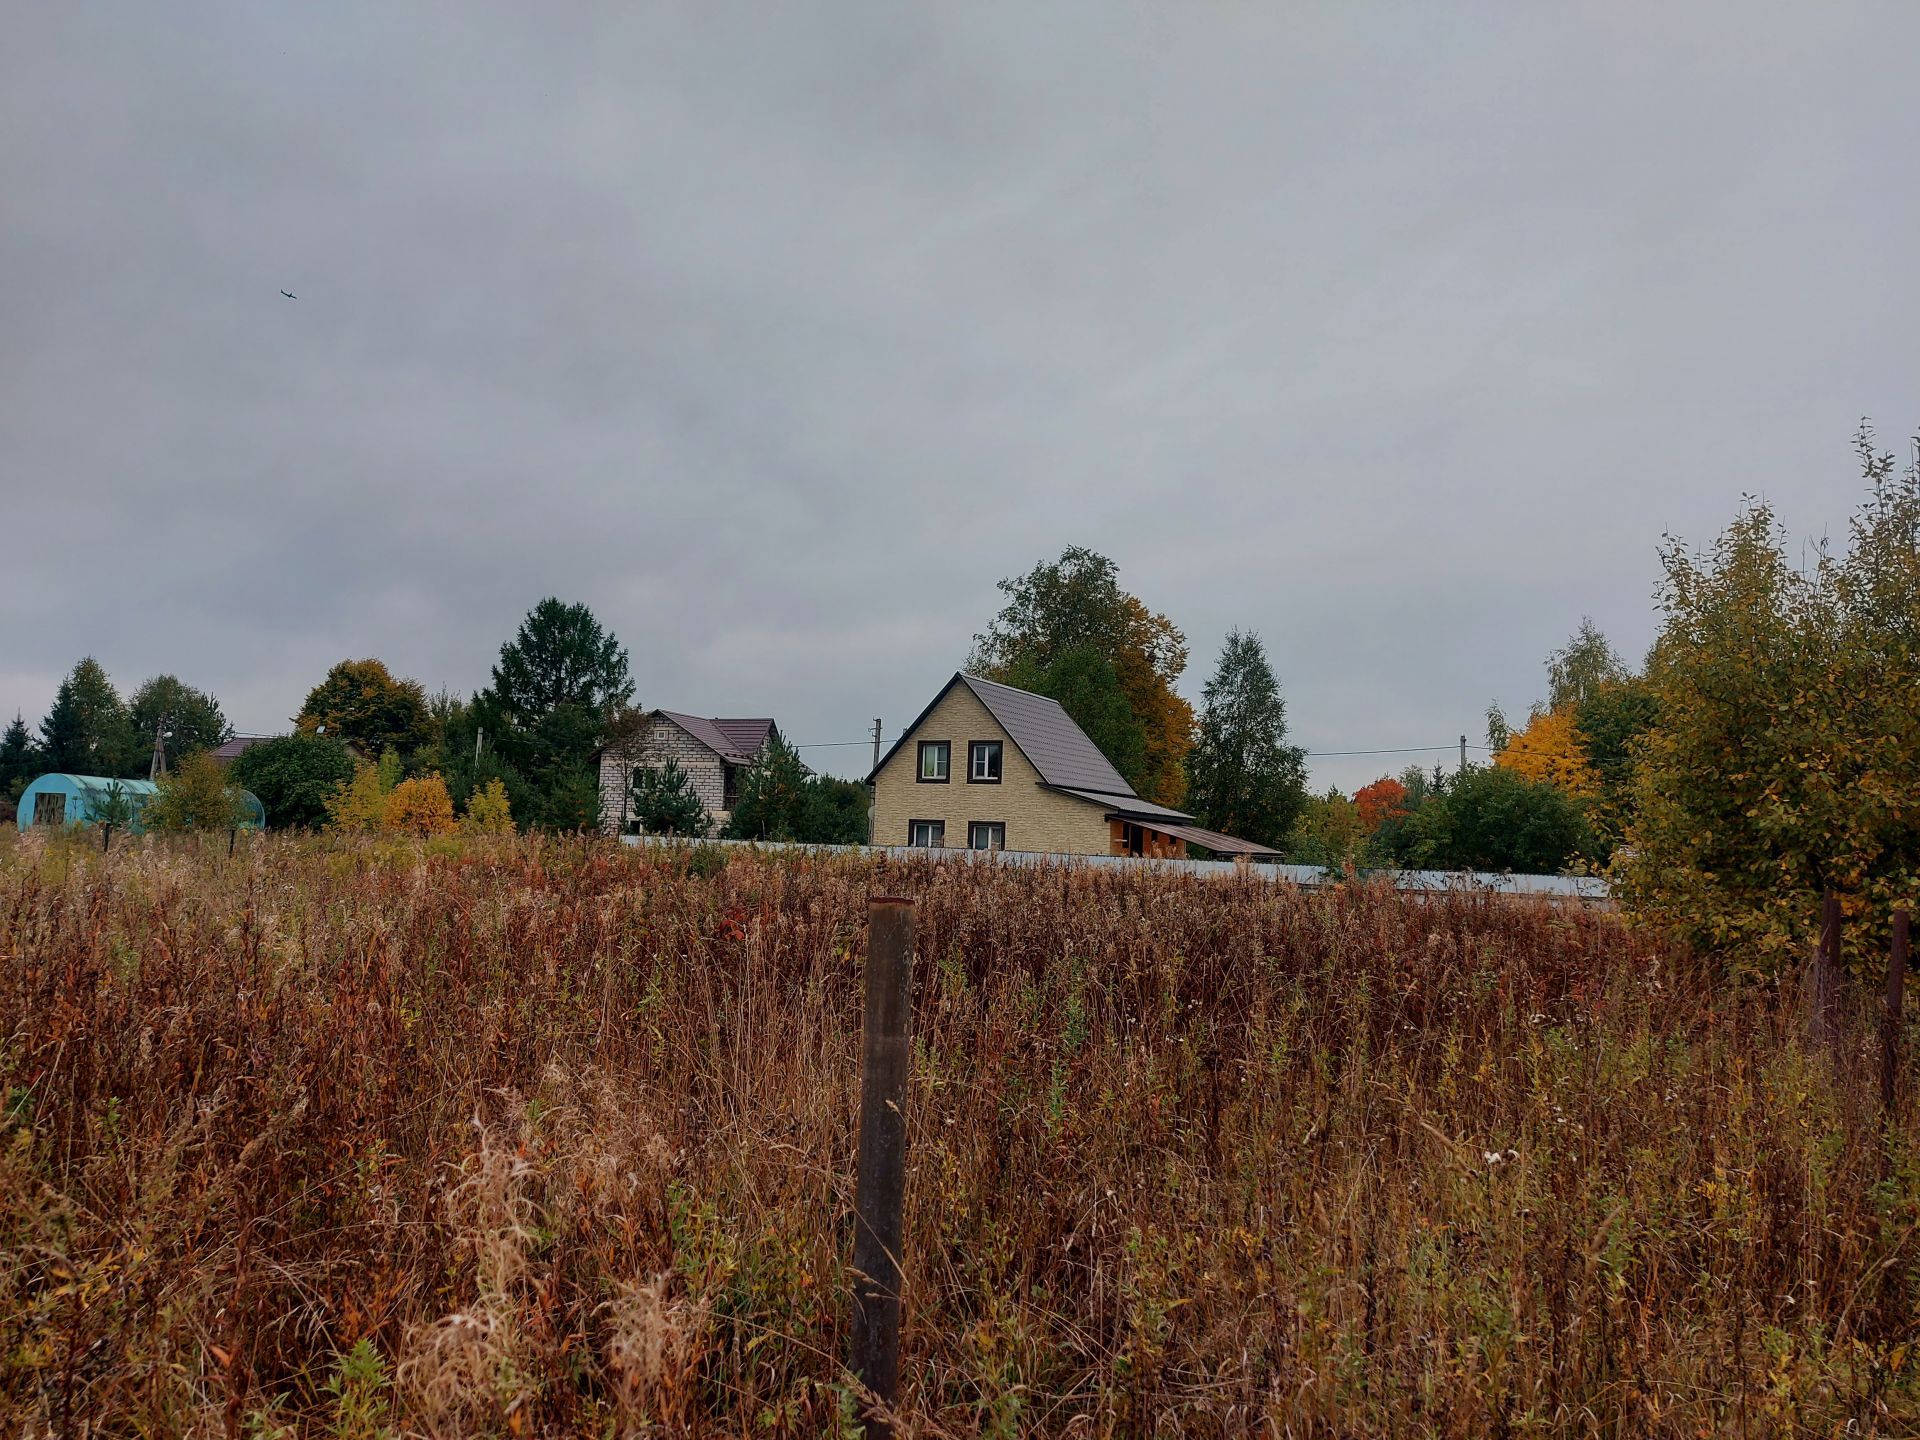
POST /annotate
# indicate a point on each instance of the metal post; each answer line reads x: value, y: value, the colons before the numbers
x: 873, y: 789
x: 1890, y: 1022
x: 880, y: 1191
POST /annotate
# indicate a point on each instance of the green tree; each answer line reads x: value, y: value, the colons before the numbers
x: 196, y: 794
x: 836, y: 812
x: 1064, y: 608
x: 560, y: 684
x: 1243, y: 778
x: 1488, y: 817
x: 1786, y: 757
x: 1582, y: 668
x: 664, y: 802
x: 294, y: 775
x: 362, y: 703
x: 560, y: 656
x: 88, y: 732
x: 20, y: 760
x: 1088, y: 688
x: 187, y: 719
x: 773, y: 793
x: 1610, y: 723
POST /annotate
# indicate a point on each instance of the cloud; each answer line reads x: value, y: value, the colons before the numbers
x: 779, y: 334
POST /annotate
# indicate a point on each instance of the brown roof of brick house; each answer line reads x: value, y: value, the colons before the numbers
x: 738, y: 742
x: 236, y: 747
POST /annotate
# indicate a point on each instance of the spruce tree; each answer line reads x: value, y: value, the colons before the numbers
x: 664, y: 802
x: 19, y: 760
x: 1243, y: 778
x: 88, y: 732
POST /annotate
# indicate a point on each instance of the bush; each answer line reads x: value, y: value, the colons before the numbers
x: 488, y: 811
x: 195, y: 795
x: 421, y: 806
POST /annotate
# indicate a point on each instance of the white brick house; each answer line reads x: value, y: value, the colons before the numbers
x: 712, y: 752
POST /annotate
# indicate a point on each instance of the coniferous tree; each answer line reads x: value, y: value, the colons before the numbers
x: 664, y: 802
x: 1244, y: 779
x: 87, y: 732
x: 19, y: 759
x: 772, y: 802
x: 556, y: 691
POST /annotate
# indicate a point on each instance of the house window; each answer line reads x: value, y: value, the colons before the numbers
x: 983, y: 762
x: 987, y: 835
x: 729, y: 786
x: 927, y: 834
x: 935, y: 758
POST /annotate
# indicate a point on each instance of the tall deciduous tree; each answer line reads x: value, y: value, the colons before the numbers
x: 1088, y: 688
x: 187, y: 719
x: 87, y: 732
x: 362, y: 703
x: 1551, y: 749
x: 1244, y: 779
x: 1786, y: 757
x: 1582, y: 667
x: 1061, y: 610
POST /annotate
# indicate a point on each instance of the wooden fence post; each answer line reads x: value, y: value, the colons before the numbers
x: 1826, y: 974
x: 1890, y: 1022
x: 880, y: 1191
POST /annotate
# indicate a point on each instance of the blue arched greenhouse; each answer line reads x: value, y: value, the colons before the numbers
x: 92, y: 799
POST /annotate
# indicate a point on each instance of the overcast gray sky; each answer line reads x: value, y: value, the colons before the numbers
x: 778, y: 333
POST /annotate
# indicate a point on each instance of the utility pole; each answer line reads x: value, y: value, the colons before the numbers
x: 158, y: 765
x: 1463, y: 754
x: 873, y: 788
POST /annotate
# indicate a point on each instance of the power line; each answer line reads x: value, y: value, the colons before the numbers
x: 1311, y: 754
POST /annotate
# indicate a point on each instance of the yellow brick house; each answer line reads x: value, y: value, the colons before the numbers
x: 989, y: 767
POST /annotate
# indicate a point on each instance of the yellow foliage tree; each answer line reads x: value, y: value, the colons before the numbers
x: 1551, y: 749
x: 421, y: 806
x: 488, y: 812
x: 359, y: 806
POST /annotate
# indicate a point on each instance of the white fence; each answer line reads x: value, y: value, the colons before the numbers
x: 1587, y: 888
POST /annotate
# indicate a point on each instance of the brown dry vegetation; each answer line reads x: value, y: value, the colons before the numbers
x: 534, y: 1137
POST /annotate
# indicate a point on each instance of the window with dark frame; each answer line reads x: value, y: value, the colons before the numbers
x: 936, y: 760
x: 983, y: 762
x: 987, y: 835
x: 927, y: 834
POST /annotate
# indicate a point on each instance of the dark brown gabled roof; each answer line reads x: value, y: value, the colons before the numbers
x: 1045, y: 734
x: 738, y: 742
x: 236, y: 747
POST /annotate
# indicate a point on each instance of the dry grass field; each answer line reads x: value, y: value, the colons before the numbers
x: 552, y: 1138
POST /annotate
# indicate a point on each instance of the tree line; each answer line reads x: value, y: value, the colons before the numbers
x: 1766, y: 750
